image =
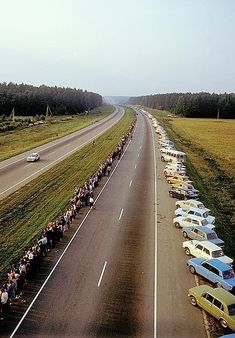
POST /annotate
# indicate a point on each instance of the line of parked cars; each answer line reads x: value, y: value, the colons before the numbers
x: 202, y: 242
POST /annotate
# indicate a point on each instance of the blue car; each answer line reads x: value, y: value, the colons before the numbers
x: 217, y: 272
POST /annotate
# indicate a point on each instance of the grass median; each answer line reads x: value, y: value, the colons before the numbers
x: 25, y: 213
x: 18, y: 141
x: 210, y: 148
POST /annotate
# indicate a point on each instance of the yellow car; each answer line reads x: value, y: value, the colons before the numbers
x: 176, y: 179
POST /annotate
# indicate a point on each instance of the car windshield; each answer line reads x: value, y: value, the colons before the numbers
x: 212, y: 236
x: 204, y: 222
x: 200, y: 205
x: 217, y: 253
x: 228, y: 274
x: 231, y: 309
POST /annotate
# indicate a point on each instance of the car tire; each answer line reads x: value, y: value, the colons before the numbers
x: 168, y: 181
x: 223, y: 323
x: 192, y: 269
x: 187, y: 251
x: 177, y: 225
x: 193, y: 301
x: 177, y: 206
x: 185, y: 234
x: 185, y: 198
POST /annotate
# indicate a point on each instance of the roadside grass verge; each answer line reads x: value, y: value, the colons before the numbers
x: 25, y: 213
x: 210, y: 148
x: 19, y: 141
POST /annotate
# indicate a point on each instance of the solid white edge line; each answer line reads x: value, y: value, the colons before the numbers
x: 155, y: 238
x: 66, y: 248
x: 101, y: 275
x: 120, y: 216
x: 57, y: 160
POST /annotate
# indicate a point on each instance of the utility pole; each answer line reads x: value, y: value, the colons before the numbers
x: 218, y: 114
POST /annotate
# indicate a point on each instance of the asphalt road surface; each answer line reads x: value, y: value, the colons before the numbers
x: 16, y: 171
x: 124, y: 273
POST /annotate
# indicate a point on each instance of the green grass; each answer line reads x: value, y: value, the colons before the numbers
x: 19, y: 141
x: 210, y: 148
x: 24, y: 214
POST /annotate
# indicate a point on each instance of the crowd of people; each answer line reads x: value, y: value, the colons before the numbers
x: 23, y: 272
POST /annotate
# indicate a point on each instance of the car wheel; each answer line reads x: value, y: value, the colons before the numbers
x: 223, y: 323
x: 185, y: 198
x: 187, y: 251
x: 176, y: 224
x: 192, y: 269
x: 185, y: 234
x: 193, y: 301
x: 168, y: 181
x: 177, y: 206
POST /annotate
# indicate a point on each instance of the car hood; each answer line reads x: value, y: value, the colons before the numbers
x: 178, y: 219
x: 226, y: 260
x: 218, y: 242
x: 195, y: 260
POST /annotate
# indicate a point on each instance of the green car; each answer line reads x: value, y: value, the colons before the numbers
x: 217, y: 302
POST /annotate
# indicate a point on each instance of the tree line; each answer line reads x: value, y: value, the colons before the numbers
x: 28, y: 100
x: 191, y: 104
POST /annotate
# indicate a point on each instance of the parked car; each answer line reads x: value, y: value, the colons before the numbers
x: 189, y: 220
x: 33, y: 157
x: 173, y: 165
x: 182, y: 193
x: 205, y: 249
x: 217, y: 272
x: 185, y: 205
x: 197, y: 212
x: 185, y: 185
x: 172, y: 172
x: 178, y: 179
x: 217, y: 302
x: 202, y: 233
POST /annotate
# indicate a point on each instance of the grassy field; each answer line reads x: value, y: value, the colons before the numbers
x: 23, y: 215
x: 16, y: 142
x: 210, y: 148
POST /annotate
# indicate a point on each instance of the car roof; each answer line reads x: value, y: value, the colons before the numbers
x: 202, y: 228
x: 197, y: 209
x: 223, y: 295
x: 219, y: 264
x: 198, y: 218
x: 209, y: 245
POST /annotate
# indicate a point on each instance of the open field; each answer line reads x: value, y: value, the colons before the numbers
x: 18, y: 141
x: 24, y: 214
x: 210, y: 148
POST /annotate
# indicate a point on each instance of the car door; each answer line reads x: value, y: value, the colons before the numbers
x: 206, y: 253
x: 217, y: 309
x: 206, y: 302
x: 198, y: 251
x: 204, y: 270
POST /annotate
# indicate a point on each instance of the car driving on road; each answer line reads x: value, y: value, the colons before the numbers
x: 33, y: 157
x: 217, y: 272
x: 217, y: 302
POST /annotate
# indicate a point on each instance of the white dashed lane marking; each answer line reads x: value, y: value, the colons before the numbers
x: 120, y: 216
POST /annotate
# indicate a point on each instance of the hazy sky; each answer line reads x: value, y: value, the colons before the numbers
x: 119, y: 47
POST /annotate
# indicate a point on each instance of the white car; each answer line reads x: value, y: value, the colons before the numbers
x: 197, y: 212
x: 185, y: 205
x: 191, y: 220
x: 205, y: 249
x: 33, y: 157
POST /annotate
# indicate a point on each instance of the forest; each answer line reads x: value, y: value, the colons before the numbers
x: 191, y: 104
x: 28, y: 100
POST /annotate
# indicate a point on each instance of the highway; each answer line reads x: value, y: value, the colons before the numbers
x: 124, y: 273
x: 16, y: 171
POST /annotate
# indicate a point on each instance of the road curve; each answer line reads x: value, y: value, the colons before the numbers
x: 16, y: 171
